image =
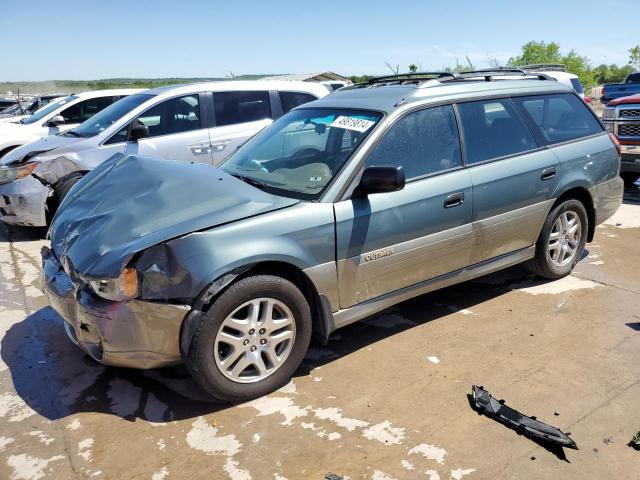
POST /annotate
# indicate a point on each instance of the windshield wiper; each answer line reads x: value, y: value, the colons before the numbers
x: 251, y: 181
x: 71, y: 133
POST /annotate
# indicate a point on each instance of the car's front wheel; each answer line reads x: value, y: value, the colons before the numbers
x: 251, y: 340
x: 561, y: 241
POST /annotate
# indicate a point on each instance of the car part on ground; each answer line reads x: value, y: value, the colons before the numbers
x: 635, y: 441
x: 485, y: 403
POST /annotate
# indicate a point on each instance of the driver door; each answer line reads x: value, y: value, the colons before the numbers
x: 389, y: 241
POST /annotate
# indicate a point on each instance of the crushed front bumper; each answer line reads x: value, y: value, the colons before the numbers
x: 135, y: 333
x: 24, y: 202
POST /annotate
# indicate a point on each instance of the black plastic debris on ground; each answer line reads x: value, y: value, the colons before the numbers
x: 635, y: 441
x: 484, y: 403
x: 332, y: 476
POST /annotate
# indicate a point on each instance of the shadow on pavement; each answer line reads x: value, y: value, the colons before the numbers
x: 56, y: 379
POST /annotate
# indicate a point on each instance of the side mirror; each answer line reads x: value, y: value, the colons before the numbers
x: 138, y: 131
x: 55, y: 121
x: 381, y: 180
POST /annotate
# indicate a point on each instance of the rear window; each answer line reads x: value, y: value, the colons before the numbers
x: 493, y: 129
x: 560, y: 117
x: 241, y: 107
x: 633, y: 78
x: 577, y: 86
x: 291, y: 100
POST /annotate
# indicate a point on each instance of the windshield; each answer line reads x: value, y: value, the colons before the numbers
x: 52, y: 106
x: 298, y: 155
x: 107, y: 117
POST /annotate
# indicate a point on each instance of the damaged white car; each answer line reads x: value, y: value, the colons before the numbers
x: 200, y: 123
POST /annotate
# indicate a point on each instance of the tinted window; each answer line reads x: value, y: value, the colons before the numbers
x: 110, y: 115
x: 176, y: 115
x: 120, y: 136
x: 492, y: 129
x: 291, y: 100
x: 241, y: 107
x: 577, y: 86
x: 633, y: 78
x: 423, y: 142
x: 86, y: 109
x: 51, y: 107
x: 560, y: 117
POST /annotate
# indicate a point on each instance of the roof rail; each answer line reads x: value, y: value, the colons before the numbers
x: 488, y: 74
x: 412, y: 77
x: 552, y: 67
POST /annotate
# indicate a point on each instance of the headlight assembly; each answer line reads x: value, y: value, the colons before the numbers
x: 9, y: 173
x: 608, y: 113
x: 125, y: 287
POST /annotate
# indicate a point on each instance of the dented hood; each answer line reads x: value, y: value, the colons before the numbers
x: 130, y: 203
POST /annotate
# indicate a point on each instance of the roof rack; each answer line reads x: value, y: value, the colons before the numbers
x: 552, y: 67
x: 488, y: 74
x: 412, y: 77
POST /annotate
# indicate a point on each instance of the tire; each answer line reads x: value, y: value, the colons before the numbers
x: 212, y: 362
x: 60, y: 191
x: 630, y: 178
x: 548, y: 265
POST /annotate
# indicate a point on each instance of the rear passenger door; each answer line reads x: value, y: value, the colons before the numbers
x: 177, y: 131
x: 513, y: 178
x: 238, y: 115
x: 389, y: 241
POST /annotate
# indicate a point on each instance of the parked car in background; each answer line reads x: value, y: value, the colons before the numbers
x: 622, y: 118
x: 630, y: 86
x: 558, y: 72
x: 24, y: 108
x: 59, y: 115
x: 338, y: 210
x: 200, y: 123
x: 6, y: 103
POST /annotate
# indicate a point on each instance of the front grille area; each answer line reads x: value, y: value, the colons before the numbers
x: 629, y: 130
x: 630, y: 113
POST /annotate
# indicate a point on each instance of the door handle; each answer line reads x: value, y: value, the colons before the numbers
x: 548, y: 173
x: 454, y: 200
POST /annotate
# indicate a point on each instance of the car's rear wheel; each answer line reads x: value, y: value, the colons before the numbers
x: 561, y: 241
x: 251, y: 340
x: 630, y: 178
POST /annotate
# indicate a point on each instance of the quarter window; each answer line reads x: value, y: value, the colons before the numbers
x: 176, y: 115
x: 492, y: 129
x: 422, y: 142
x: 120, y: 136
x: 291, y: 100
x: 86, y: 109
x: 559, y: 117
x: 241, y: 107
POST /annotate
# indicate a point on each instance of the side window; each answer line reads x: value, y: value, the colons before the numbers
x: 559, y: 117
x: 493, y: 129
x: 240, y: 107
x: 85, y: 109
x: 422, y: 142
x: 176, y: 115
x: 291, y: 100
x: 120, y: 136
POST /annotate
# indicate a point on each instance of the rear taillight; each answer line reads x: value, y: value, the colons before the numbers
x: 616, y: 143
x: 602, y: 92
x: 587, y: 99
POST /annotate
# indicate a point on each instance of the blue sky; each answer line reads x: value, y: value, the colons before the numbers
x: 91, y: 39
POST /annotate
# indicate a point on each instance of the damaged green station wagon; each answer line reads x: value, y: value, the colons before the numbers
x: 338, y: 210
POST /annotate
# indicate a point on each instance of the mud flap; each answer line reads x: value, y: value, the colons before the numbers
x: 484, y: 403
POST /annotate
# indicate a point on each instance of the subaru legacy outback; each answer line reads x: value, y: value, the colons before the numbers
x: 338, y: 210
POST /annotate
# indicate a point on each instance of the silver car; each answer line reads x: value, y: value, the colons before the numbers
x: 200, y: 123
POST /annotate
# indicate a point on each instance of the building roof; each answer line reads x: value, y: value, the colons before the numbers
x: 309, y: 77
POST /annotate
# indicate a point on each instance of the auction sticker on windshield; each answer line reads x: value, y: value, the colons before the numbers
x: 352, y: 123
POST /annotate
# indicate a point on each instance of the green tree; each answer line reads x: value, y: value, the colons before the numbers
x: 537, y: 52
x: 634, y: 57
x: 580, y: 66
x: 413, y: 68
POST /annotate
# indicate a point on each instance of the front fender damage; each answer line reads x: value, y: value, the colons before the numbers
x: 24, y: 202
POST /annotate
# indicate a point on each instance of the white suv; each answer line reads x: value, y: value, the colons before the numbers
x: 201, y: 123
x: 59, y: 115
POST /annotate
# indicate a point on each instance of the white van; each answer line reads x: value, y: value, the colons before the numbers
x: 201, y: 123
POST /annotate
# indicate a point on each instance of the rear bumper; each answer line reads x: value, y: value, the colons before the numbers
x: 630, y: 159
x: 135, y: 334
x: 607, y: 198
x: 23, y: 202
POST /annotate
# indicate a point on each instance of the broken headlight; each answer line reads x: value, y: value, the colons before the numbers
x: 9, y: 173
x: 125, y: 287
